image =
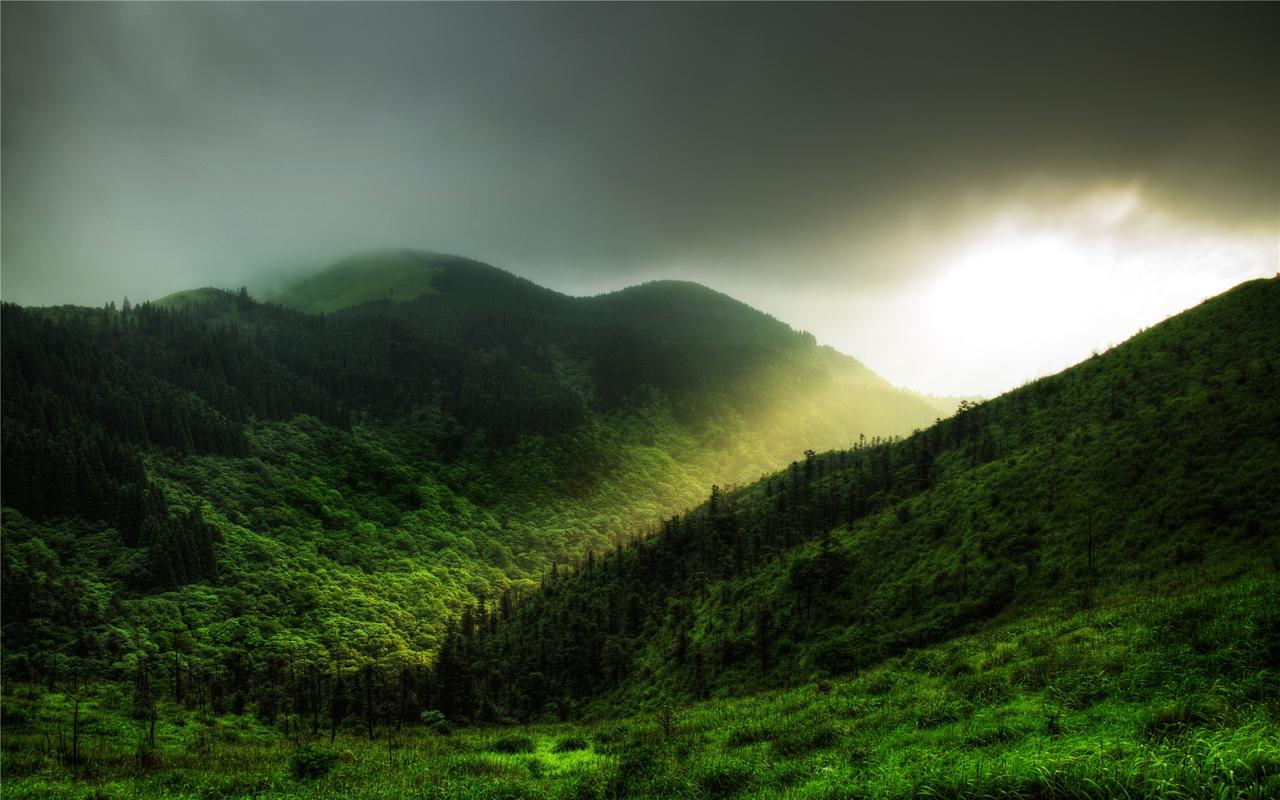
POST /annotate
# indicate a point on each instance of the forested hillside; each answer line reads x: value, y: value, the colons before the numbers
x: 226, y: 486
x: 1068, y: 591
x: 1150, y: 467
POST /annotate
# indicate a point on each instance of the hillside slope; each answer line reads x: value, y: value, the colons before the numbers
x: 1072, y: 591
x: 1150, y: 467
x: 265, y: 475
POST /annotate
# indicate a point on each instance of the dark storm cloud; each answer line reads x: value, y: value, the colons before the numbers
x: 151, y: 147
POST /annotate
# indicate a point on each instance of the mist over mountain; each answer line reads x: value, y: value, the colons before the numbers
x: 828, y: 163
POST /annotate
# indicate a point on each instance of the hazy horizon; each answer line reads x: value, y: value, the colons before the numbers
x: 961, y: 197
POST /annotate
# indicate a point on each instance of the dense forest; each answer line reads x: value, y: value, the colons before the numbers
x: 1154, y: 456
x: 690, y: 551
x: 271, y: 481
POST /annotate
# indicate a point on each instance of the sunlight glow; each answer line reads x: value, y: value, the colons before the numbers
x: 1032, y: 292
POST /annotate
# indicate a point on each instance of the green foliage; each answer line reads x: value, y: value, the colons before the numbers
x: 1036, y: 500
x: 513, y: 743
x: 868, y: 738
x: 435, y: 722
x: 311, y: 762
x: 801, y: 738
x: 233, y: 531
x: 568, y: 744
x: 390, y: 277
x: 1203, y: 724
x: 234, y: 487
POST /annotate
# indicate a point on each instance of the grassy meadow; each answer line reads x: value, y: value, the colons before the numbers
x: 1146, y: 695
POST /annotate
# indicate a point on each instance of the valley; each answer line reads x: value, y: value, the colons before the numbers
x: 400, y: 528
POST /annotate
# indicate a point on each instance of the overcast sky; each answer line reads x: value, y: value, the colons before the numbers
x: 962, y: 196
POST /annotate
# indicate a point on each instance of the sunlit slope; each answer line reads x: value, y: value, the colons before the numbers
x: 370, y: 470
x: 1147, y: 469
x: 714, y: 359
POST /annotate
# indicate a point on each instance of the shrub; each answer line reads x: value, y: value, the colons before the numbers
x: 311, y: 762
x: 513, y: 743
x: 570, y: 743
x: 436, y: 722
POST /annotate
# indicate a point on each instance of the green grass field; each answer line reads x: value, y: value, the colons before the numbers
x: 1169, y: 695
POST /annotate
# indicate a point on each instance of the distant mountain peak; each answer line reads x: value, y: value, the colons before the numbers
x: 397, y: 276
x: 194, y: 297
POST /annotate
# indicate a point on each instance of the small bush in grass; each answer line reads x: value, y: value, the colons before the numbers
x: 436, y: 722
x: 513, y: 743
x: 482, y: 766
x: 311, y: 762
x: 570, y: 743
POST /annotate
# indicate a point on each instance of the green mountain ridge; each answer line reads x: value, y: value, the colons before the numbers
x: 393, y: 276
x: 427, y: 548
x: 372, y: 468
x: 1132, y: 469
x: 190, y: 298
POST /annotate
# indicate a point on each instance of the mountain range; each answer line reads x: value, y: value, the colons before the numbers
x: 506, y: 542
x: 389, y: 438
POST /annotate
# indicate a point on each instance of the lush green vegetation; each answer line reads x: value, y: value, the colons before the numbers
x: 1151, y: 696
x: 391, y: 277
x: 228, y: 486
x: 428, y: 548
x: 1119, y: 472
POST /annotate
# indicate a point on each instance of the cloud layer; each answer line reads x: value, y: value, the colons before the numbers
x: 152, y: 147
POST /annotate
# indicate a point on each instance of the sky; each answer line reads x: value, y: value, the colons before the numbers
x: 964, y: 197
